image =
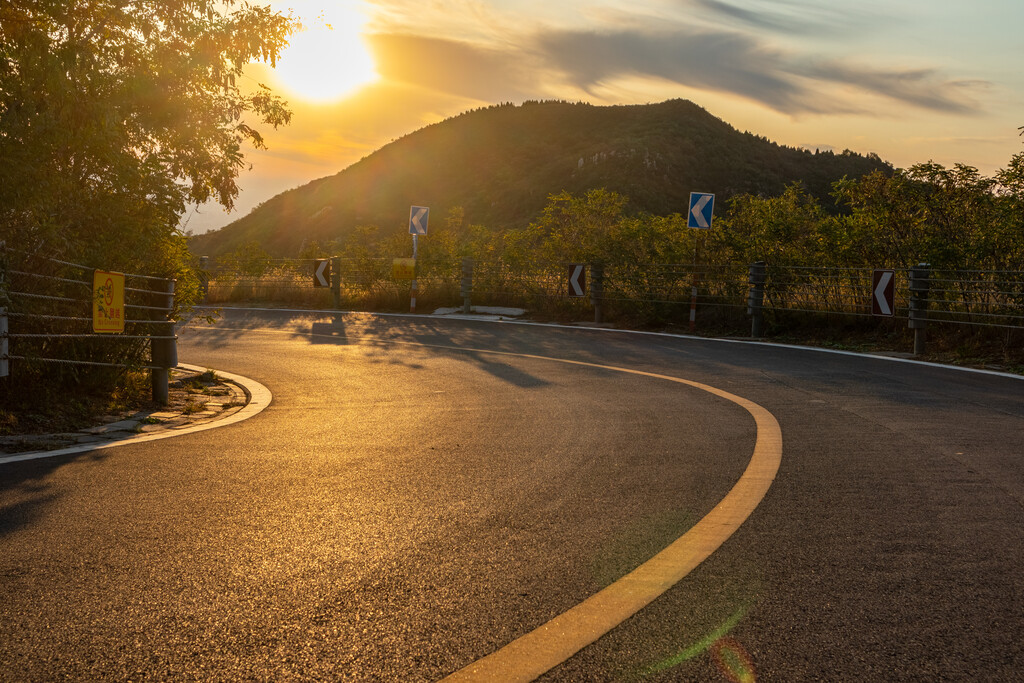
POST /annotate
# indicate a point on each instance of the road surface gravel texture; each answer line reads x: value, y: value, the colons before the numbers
x: 412, y: 501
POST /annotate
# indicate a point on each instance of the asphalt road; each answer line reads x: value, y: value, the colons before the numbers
x: 412, y: 501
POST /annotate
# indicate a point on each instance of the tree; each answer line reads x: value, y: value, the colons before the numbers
x: 783, y: 230
x: 116, y: 113
x: 113, y: 115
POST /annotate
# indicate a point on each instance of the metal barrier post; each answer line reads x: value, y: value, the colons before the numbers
x: 597, y: 291
x: 336, y: 281
x: 467, y: 285
x: 918, y: 322
x: 164, y: 352
x: 204, y: 276
x: 5, y: 367
x: 755, y: 300
x: 4, y: 363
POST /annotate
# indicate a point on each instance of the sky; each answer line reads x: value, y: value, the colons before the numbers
x: 910, y: 80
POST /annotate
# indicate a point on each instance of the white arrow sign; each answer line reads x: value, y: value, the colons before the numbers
x: 577, y: 280
x: 321, y: 276
x: 701, y: 207
x: 418, y: 216
x: 882, y: 303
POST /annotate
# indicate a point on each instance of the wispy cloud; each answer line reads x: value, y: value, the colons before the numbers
x: 459, y: 68
x: 725, y: 62
x: 923, y: 88
x: 723, y: 46
x: 757, y: 19
x: 742, y: 65
x: 784, y: 16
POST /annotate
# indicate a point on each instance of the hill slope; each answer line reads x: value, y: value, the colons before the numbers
x: 501, y: 163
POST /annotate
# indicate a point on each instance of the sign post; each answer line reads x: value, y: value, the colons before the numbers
x: 418, y: 217
x: 107, y: 302
x: 699, y: 216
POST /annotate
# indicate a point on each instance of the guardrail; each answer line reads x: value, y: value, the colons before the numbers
x: 48, y: 316
x: 650, y: 293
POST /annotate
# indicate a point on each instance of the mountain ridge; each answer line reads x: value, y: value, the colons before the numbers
x: 501, y: 163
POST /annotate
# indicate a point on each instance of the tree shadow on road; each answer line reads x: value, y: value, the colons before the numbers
x: 424, y: 337
x: 26, y: 488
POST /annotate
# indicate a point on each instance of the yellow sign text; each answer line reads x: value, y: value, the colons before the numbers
x: 107, y: 302
x: 404, y: 269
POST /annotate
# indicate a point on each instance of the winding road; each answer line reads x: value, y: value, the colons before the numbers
x: 422, y: 492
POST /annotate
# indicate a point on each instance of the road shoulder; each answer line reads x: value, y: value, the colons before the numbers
x: 197, y: 405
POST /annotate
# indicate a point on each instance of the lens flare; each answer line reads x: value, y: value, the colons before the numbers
x: 733, y: 661
x: 728, y: 654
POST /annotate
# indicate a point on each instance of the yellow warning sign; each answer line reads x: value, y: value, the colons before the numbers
x: 404, y: 269
x: 107, y: 301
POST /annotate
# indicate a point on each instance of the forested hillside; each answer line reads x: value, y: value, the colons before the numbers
x: 502, y: 163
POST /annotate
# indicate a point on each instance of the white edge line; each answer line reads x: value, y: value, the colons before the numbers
x: 724, y: 340
x: 259, y: 398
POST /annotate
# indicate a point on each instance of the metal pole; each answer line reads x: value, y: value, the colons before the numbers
x: 918, y: 322
x: 336, y: 281
x: 597, y: 291
x: 412, y: 300
x: 4, y: 363
x: 163, y: 352
x: 696, y: 284
x: 467, y: 285
x: 5, y: 368
x: 204, y: 276
x: 755, y: 300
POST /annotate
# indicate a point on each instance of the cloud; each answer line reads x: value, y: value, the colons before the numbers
x: 753, y: 18
x: 922, y: 88
x: 484, y: 51
x: 787, y: 16
x: 742, y: 65
x: 455, y: 67
x: 727, y: 62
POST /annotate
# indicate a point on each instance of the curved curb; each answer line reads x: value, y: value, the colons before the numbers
x: 259, y: 398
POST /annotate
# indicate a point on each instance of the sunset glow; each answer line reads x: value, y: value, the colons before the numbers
x: 328, y: 59
x: 911, y: 81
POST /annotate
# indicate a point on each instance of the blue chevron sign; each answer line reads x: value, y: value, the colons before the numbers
x: 702, y: 206
x: 418, y: 216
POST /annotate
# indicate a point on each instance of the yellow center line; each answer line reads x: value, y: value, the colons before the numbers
x: 550, y: 644
x: 547, y: 646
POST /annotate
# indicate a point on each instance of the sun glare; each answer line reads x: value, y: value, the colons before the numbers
x: 328, y: 59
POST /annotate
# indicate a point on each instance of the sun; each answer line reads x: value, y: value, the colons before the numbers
x: 328, y: 59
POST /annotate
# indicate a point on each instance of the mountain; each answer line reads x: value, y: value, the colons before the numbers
x: 501, y: 163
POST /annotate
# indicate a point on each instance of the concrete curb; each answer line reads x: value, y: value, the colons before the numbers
x: 259, y: 397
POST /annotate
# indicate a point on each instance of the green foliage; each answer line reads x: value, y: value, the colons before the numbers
x: 312, y: 250
x: 785, y: 230
x: 113, y: 115
x: 596, y: 228
x: 952, y: 218
x: 251, y: 260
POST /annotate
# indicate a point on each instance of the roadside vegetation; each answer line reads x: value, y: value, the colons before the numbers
x: 113, y: 118
x: 955, y: 219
